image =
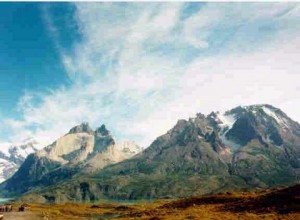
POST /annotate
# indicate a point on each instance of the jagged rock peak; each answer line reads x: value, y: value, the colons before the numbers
x: 200, y: 115
x: 102, y: 130
x: 82, y: 128
x: 212, y: 114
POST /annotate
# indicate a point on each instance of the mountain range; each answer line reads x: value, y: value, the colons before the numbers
x: 245, y: 148
x: 12, y: 155
x: 81, y: 150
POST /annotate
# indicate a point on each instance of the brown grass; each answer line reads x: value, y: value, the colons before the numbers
x: 272, y: 204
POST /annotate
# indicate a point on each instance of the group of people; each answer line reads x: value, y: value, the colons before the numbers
x: 6, y: 208
x: 9, y: 208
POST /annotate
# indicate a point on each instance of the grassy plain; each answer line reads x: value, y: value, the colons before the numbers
x: 283, y: 203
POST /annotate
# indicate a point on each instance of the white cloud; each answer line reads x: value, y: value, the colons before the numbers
x: 130, y: 71
x: 218, y: 18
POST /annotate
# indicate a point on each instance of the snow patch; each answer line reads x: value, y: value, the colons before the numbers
x: 225, y: 122
x: 2, y: 179
x: 4, y: 166
x: 22, y: 151
x: 128, y: 146
x: 4, y: 148
x: 272, y: 114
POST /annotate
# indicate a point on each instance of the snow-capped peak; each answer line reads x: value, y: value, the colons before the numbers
x: 12, y: 155
x: 20, y: 149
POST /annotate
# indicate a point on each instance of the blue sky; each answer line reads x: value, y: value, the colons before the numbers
x: 139, y: 67
x: 27, y: 58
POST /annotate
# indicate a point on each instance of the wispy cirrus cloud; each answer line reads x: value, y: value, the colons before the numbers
x: 140, y: 67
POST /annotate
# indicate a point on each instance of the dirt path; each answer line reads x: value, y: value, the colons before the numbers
x: 27, y: 215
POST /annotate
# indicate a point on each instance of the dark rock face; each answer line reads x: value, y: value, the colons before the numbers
x: 29, y: 174
x: 102, y: 131
x: 274, y: 135
x: 247, y: 147
x: 242, y: 131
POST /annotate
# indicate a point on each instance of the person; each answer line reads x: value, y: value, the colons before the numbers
x: 22, y: 208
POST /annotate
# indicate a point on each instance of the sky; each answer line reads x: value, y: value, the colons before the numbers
x: 139, y: 67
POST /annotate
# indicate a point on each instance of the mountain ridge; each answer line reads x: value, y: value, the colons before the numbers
x: 251, y: 147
